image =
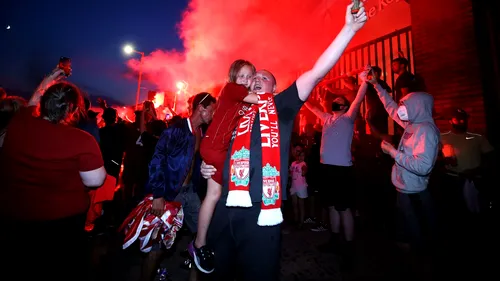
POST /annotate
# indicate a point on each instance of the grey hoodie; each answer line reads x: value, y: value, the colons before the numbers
x: 419, y: 145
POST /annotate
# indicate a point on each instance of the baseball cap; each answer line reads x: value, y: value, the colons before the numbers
x: 460, y: 114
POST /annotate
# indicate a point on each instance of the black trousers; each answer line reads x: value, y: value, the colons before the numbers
x: 416, y: 219
x: 242, y: 248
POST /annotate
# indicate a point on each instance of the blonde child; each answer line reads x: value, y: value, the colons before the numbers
x: 234, y: 99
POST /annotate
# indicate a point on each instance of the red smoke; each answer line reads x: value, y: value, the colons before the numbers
x: 283, y: 36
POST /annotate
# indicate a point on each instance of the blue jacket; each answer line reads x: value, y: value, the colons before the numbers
x: 172, y: 161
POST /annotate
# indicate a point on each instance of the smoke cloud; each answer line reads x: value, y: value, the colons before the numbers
x: 283, y: 36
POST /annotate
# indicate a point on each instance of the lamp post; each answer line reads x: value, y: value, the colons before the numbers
x: 128, y: 49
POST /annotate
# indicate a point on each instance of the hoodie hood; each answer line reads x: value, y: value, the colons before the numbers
x: 419, y: 106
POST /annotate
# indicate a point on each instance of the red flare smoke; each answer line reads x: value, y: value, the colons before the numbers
x: 283, y: 36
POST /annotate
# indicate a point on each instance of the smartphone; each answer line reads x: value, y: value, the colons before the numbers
x: 355, y: 6
x: 65, y: 64
x: 371, y: 72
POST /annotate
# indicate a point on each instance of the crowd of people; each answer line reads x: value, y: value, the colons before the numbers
x: 230, y: 165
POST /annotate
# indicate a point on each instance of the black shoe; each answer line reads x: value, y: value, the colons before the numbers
x: 204, y: 259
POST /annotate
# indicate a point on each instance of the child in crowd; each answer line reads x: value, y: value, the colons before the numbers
x: 298, y: 191
x: 233, y: 101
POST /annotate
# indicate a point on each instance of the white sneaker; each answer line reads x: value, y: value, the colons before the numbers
x: 309, y: 221
x: 319, y: 228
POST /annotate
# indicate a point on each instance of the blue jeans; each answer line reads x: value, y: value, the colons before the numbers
x: 191, y: 205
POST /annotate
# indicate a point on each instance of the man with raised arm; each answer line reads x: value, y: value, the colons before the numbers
x: 414, y: 159
x: 248, y: 240
x: 336, y: 160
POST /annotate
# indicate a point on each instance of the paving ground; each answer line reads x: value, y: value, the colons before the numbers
x: 465, y: 251
x: 459, y: 256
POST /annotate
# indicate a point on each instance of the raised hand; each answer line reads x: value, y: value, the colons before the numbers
x: 55, y: 76
x: 102, y: 103
x: 363, y: 75
x: 358, y: 20
x: 368, y: 77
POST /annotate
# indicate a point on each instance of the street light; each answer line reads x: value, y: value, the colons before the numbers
x: 128, y: 49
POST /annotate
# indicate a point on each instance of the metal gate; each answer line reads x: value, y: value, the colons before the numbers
x: 379, y: 52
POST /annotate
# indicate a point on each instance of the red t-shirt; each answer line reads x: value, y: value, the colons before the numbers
x: 39, y: 169
x: 230, y: 107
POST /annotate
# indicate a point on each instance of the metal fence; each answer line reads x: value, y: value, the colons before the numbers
x: 379, y: 52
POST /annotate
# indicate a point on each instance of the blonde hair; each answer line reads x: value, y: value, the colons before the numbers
x: 235, y: 68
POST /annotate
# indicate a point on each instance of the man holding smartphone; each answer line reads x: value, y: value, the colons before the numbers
x: 239, y: 242
x: 65, y: 65
x: 376, y: 116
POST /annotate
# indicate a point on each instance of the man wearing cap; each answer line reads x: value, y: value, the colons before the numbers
x: 466, y: 155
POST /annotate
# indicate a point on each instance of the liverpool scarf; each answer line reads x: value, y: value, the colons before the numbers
x: 239, y: 177
x: 149, y: 229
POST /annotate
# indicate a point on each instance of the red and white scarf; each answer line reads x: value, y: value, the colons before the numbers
x: 239, y: 177
x: 149, y: 229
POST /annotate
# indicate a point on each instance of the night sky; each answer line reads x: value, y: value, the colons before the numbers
x: 92, y: 33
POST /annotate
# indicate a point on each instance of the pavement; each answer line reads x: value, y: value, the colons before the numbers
x: 456, y: 255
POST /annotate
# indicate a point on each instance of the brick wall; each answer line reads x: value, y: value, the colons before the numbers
x: 445, y: 54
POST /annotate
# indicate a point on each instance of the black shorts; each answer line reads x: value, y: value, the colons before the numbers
x: 338, y: 187
x: 313, y: 180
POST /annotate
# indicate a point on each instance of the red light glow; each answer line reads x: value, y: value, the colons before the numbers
x: 159, y: 99
x: 283, y: 36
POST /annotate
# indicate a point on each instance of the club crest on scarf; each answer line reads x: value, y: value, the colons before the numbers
x: 240, y: 168
x: 271, y: 185
x: 239, y: 163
